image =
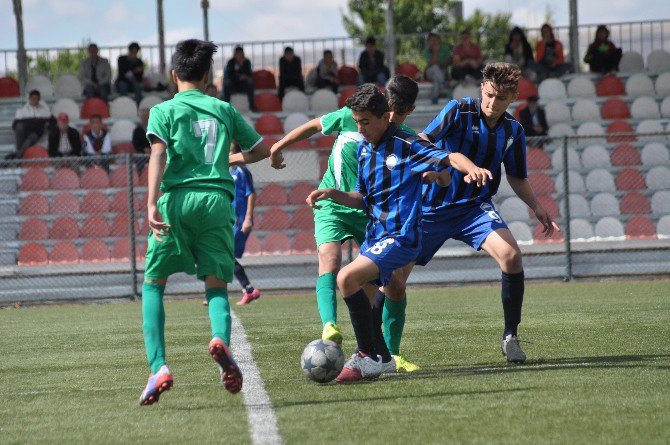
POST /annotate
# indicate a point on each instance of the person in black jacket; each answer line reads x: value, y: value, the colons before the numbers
x: 64, y: 140
x: 602, y: 55
x: 371, y: 64
x: 519, y: 52
x: 140, y: 141
x: 290, y: 72
x: 237, y: 77
x: 534, y: 120
x: 131, y: 73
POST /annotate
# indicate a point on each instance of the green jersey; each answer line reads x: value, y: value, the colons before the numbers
x: 198, y: 130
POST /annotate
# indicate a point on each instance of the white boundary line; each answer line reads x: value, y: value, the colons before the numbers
x: 260, y: 412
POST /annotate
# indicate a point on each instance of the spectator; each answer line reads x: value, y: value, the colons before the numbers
x: 96, y: 74
x: 29, y: 124
x: 437, y: 62
x: 131, y: 73
x: 371, y: 64
x: 63, y: 139
x: 467, y: 59
x: 290, y: 72
x: 140, y: 141
x: 533, y: 119
x: 602, y: 56
x: 237, y: 77
x: 549, y: 55
x: 97, y: 140
x: 211, y: 90
x: 326, y: 72
x: 519, y: 52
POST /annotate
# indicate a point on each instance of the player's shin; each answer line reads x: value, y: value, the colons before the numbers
x: 361, y: 320
x: 512, y: 300
x: 393, y: 319
x: 326, y: 300
x: 380, y: 344
x: 219, y: 313
x: 153, y: 324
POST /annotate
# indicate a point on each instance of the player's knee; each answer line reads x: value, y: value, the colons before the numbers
x: 346, y: 282
x: 510, y: 260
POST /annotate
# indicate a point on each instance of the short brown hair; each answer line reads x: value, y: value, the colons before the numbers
x: 504, y: 77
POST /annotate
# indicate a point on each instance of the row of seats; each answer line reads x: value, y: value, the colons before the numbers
x: 599, y: 156
x: 93, y: 202
x: 68, y: 227
x: 36, y: 178
x: 644, y: 107
x: 583, y: 86
x: 121, y: 107
x: 67, y: 252
x: 616, y: 131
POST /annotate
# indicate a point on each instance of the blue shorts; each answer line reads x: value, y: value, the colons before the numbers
x: 240, y: 240
x: 389, y: 255
x: 470, y: 224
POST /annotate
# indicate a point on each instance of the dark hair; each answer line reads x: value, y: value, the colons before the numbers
x: 549, y: 28
x: 464, y: 32
x: 504, y: 77
x: 133, y: 45
x: 401, y: 92
x: 527, y: 50
x: 601, y: 28
x: 368, y: 98
x: 92, y: 45
x: 238, y: 48
x: 34, y: 93
x: 288, y: 49
x: 371, y: 41
x: 433, y: 34
x: 192, y: 59
x: 95, y: 116
x: 327, y: 52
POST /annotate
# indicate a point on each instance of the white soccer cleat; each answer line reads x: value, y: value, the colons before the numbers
x: 389, y: 367
x: 371, y: 369
x: 512, y: 350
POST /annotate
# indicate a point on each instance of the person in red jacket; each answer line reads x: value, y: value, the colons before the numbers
x: 549, y: 55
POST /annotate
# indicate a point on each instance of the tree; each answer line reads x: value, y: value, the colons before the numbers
x: 66, y: 61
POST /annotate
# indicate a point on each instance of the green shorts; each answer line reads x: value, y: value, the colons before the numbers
x: 200, y: 239
x: 333, y: 226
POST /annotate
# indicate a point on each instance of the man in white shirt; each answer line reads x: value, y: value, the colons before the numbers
x: 29, y: 123
x: 97, y: 141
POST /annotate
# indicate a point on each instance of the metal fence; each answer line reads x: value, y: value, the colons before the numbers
x: 76, y: 228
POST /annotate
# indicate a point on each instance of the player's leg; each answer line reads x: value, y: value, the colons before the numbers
x: 249, y: 292
x: 330, y: 259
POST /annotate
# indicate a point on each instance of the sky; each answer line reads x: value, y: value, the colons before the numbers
x: 67, y: 23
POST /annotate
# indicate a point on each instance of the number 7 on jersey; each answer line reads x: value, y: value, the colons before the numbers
x: 207, y: 126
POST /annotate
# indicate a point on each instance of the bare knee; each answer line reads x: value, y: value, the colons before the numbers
x: 396, y: 289
x: 510, y: 260
x: 329, y: 260
x: 346, y: 282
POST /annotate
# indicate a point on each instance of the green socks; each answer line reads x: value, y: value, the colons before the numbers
x: 326, y: 300
x: 393, y: 319
x: 153, y: 324
x: 219, y: 313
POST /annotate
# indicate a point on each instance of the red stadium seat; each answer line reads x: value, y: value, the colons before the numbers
x: 640, y: 227
x: 123, y: 147
x: 267, y: 102
x: 9, y: 87
x: 274, y: 219
x: 614, y: 108
x: 95, y: 227
x: 120, y: 202
x: 610, y: 86
x: 303, y: 218
x: 518, y: 109
x: 34, y: 179
x: 119, y: 177
x: 634, y: 203
x: 541, y: 183
x: 272, y: 195
x: 549, y: 205
x: 120, y: 226
x: 65, y: 202
x: 348, y: 75
x: 538, y: 236
x: 33, y: 228
x: 121, y: 250
x: 304, y: 243
x: 526, y: 89
x: 324, y: 141
x: 94, y: 251
x: 35, y: 152
x: 630, y: 179
x: 625, y: 155
x: 64, y: 179
x: 34, y: 204
x: 64, y: 252
x: 64, y: 227
x: 93, y: 106
x: 270, y: 141
x: 538, y: 159
x: 299, y: 192
x: 269, y: 124
x: 95, y: 202
x: 85, y: 129
x: 95, y: 178
x: 344, y: 95
x: 144, y: 177
x: 253, y: 246
x: 264, y: 80
x: 141, y: 248
x: 323, y: 165
x: 408, y: 69
x: 33, y: 254
x: 276, y: 244
x: 616, y: 129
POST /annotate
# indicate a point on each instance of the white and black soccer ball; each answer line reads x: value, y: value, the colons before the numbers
x: 322, y: 360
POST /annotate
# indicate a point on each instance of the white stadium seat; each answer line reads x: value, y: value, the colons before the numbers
x: 658, y: 61
x: 579, y: 207
x: 639, y: 85
x: 591, y: 129
x: 295, y: 100
x: 561, y: 129
x: 655, y: 153
x: 663, y: 227
x: 599, y: 180
x: 521, y: 231
x: 585, y: 110
x: 41, y: 84
x: 610, y: 228
x: 604, y: 204
x: 123, y: 108
x: 557, y: 112
x: 665, y: 107
x: 67, y: 106
x: 460, y: 91
x: 581, y: 86
x: 658, y: 178
x: 660, y: 202
x: 294, y: 120
x: 573, y: 159
x: 552, y: 89
x: 580, y: 230
x: 575, y: 182
x: 122, y: 131
x: 68, y: 85
x: 514, y: 209
x: 323, y: 101
x: 149, y: 101
x: 595, y: 156
x: 504, y: 189
x: 240, y: 102
x: 649, y: 126
x: 663, y: 84
x: 631, y: 62
x: 645, y: 108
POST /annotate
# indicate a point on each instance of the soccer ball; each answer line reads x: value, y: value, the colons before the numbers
x: 322, y: 360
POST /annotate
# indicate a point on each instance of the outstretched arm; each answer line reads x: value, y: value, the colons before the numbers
x: 522, y: 188
x: 304, y: 131
x: 259, y: 152
x: 348, y: 199
x: 475, y: 174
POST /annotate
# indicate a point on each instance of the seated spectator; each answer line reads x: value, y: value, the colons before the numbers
x: 30, y: 122
x: 96, y: 74
x: 64, y: 140
x: 326, y: 72
x: 519, y: 52
x: 97, y: 141
x: 549, y: 55
x: 602, y: 56
x: 290, y: 72
x: 237, y: 77
x: 533, y: 119
x: 211, y: 90
x: 437, y: 62
x: 468, y: 59
x: 371, y: 64
x: 131, y: 73
x: 140, y: 141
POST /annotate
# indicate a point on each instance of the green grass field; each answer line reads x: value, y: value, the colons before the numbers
x: 598, y: 372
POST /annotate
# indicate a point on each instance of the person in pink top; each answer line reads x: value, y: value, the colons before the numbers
x: 467, y: 59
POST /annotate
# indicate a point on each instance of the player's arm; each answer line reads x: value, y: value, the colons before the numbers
x: 348, y: 199
x: 258, y: 153
x: 156, y: 168
x: 463, y: 164
x: 523, y: 190
x: 304, y: 131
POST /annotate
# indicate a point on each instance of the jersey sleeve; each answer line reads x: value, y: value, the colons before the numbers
x: 514, y: 158
x: 426, y: 157
x: 443, y: 122
x: 243, y: 133
x: 332, y: 122
x: 157, y: 126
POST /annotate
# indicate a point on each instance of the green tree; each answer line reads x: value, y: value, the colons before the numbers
x: 64, y: 61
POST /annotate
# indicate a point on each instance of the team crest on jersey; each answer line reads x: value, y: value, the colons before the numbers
x: 510, y: 141
x: 475, y: 130
x: 392, y: 161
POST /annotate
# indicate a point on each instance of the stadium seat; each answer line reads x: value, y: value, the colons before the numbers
x: 34, y: 179
x: 94, y: 251
x: 625, y: 155
x: 665, y: 107
x: 121, y: 250
x: 662, y: 85
x: 299, y: 193
x: 119, y: 202
x: 9, y: 87
x: 614, y: 108
x: 269, y: 124
x: 410, y: 70
x: 629, y: 179
x: 590, y: 130
x: 302, y: 218
x: 274, y: 219
x: 347, y: 75
x: 537, y: 159
x: 580, y: 230
x: 240, y: 102
x: 573, y: 159
x: 526, y: 89
x: 658, y: 61
x: 144, y: 177
x: 575, y: 182
x: 123, y: 147
x: 272, y: 195
x: 68, y: 85
x: 119, y: 177
x: 634, y: 203
x: 560, y: 130
x: 609, y: 228
x: 640, y: 227
x: 304, y: 144
x: 581, y: 86
x: 95, y: 202
x: 521, y: 231
x: 94, y: 105
x: 323, y: 101
x: 324, y: 141
x: 68, y: 106
x: 541, y: 183
x: 264, y: 80
x: 122, y: 130
x: 639, y: 85
x: 64, y: 179
x: 123, y: 107
x: 595, y: 156
x: 120, y: 226
x: 149, y: 101
x: 304, y: 243
x: 585, y: 110
x: 467, y: 90
x: 631, y: 62
x: 64, y: 227
x: 95, y: 226
x: 541, y: 238
x: 253, y: 246
x: 276, y: 244
x: 610, y: 85
x: 620, y: 131
x: 33, y: 229
x: 514, y: 209
x: 655, y: 153
x: 551, y: 89
x: 650, y: 126
x: 34, y: 204
x: 267, y: 102
x: 294, y: 120
x: 36, y: 152
x: 599, y: 180
x: 658, y: 178
x: 645, y: 108
x: 518, y: 109
x: 270, y: 141
x: 344, y: 95
x: 295, y: 101
x: 549, y: 205
x: 64, y: 203
x: 663, y: 227
x: 64, y: 252
x: 579, y: 207
x: 41, y: 84
x: 33, y: 254
x: 556, y: 112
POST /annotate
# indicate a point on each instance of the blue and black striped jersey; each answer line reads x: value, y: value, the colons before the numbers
x: 460, y: 127
x: 390, y: 179
x: 244, y: 186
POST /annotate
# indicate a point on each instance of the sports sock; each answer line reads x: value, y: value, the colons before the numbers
x: 393, y: 318
x: 361, y: 319
x: 377, y: 310
x: 241, y: 276
x: 326, y: 300
x: 219, y: 313
x: 512, y: 299
x: 153, y: 324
